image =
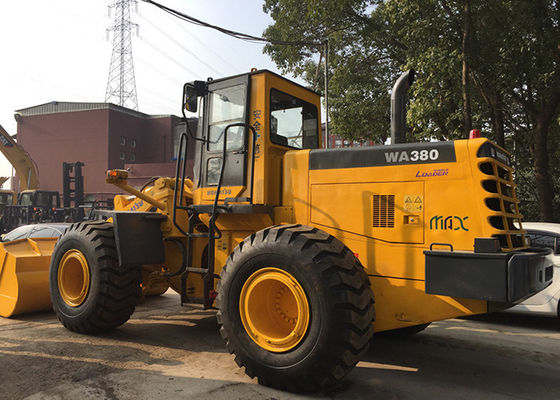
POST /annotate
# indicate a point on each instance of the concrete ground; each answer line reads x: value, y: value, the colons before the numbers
x: 169, y: 352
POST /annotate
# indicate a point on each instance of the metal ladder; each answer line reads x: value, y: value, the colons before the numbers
x: 213, y: 210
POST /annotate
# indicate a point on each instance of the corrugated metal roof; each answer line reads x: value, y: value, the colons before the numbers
x: 64, y: 107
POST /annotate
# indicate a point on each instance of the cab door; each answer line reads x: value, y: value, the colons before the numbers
x: 226, y: 103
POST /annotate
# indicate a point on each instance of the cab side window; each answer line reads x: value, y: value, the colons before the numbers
x: 293, y: 122
x: 6, y: 198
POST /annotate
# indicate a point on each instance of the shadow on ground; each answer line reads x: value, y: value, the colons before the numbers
x: 544, y: 323
x: 168, y: 351
x: 450, y: 361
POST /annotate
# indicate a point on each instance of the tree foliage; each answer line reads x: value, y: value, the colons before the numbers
x: 495, y: 63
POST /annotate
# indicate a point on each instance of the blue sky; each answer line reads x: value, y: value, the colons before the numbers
x: 58, y: 50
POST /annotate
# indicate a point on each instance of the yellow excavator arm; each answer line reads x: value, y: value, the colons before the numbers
x: 26, y: 170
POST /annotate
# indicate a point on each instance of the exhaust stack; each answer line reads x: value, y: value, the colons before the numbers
x: 398, y: 107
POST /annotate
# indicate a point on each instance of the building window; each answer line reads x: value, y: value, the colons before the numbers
x: 123, y: 141
x: 132, y: 157
x: 133, y: 143
x: 122, y: 155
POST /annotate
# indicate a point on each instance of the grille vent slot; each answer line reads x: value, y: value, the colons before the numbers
x: 498, y: 181
x: 383, y: 210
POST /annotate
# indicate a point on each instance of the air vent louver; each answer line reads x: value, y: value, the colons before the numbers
x: 383, y: 210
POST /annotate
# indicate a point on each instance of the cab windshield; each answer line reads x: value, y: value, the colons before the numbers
x: 25, y: 199
x: 46, y: 199
x: 42, y: 199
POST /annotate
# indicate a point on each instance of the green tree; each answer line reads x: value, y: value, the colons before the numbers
x: 492, y: 65
x: 517, y: 73
x: 359, y: 68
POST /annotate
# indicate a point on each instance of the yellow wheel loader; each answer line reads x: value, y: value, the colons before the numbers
x: 291, y: 242
x: 25, y: 254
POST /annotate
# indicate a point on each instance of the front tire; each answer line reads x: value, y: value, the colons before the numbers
x: 295, y: 307
x: 90, y: 292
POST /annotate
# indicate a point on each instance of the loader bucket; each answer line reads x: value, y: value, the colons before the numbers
x: 24, y: 275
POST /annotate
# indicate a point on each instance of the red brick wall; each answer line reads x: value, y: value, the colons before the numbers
x: 152, y: 136
x: 93, y: 137
x: 129, y: 127
x: 160, y: 147
x: 53, y: 139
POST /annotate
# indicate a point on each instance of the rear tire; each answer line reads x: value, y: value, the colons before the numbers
x: 90, y: 292
x: 335, y: 308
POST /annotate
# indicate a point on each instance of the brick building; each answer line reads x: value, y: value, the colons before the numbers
x: 102, y: 136
x: 335, y: 141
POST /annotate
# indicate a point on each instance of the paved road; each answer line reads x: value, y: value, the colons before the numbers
x: 169, y: 352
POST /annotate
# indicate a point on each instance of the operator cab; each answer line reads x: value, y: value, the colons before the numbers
x: 39, y: 198
x: 260, y: 106
x: 6, y: 198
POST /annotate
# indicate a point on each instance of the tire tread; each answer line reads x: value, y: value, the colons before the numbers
x: 119, y: 287
x: 350, y: 288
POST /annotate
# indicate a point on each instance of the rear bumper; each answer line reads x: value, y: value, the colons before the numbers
x: 500, y: 277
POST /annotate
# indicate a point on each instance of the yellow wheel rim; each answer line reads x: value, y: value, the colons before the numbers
x: 274, y: 309
x: 73, y: 277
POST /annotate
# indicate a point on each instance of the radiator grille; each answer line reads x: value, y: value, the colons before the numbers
x: 383, y: 210
x: 503, y: 203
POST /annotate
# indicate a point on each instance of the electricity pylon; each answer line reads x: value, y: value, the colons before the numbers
x: 121, y: 85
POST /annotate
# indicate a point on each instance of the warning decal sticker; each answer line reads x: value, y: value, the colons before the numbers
x: 413, y: 203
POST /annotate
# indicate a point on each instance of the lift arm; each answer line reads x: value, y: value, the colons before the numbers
x: 26, y: 170
x: 119, y: 178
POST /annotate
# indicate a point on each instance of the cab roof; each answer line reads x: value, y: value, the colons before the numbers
x: 262, y: 71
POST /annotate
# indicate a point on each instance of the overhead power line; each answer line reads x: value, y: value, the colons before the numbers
x: 321, y: 46
x: 235, y: 34
x: 167, y: 56
x: 209, y: 49
x: 182, y: 47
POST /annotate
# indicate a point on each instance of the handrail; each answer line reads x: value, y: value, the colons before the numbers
x: 183, y: 143
x: 224, y: 151
x: 213, y: 231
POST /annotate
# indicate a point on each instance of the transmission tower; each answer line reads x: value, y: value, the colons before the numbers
x: 121, y: 85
